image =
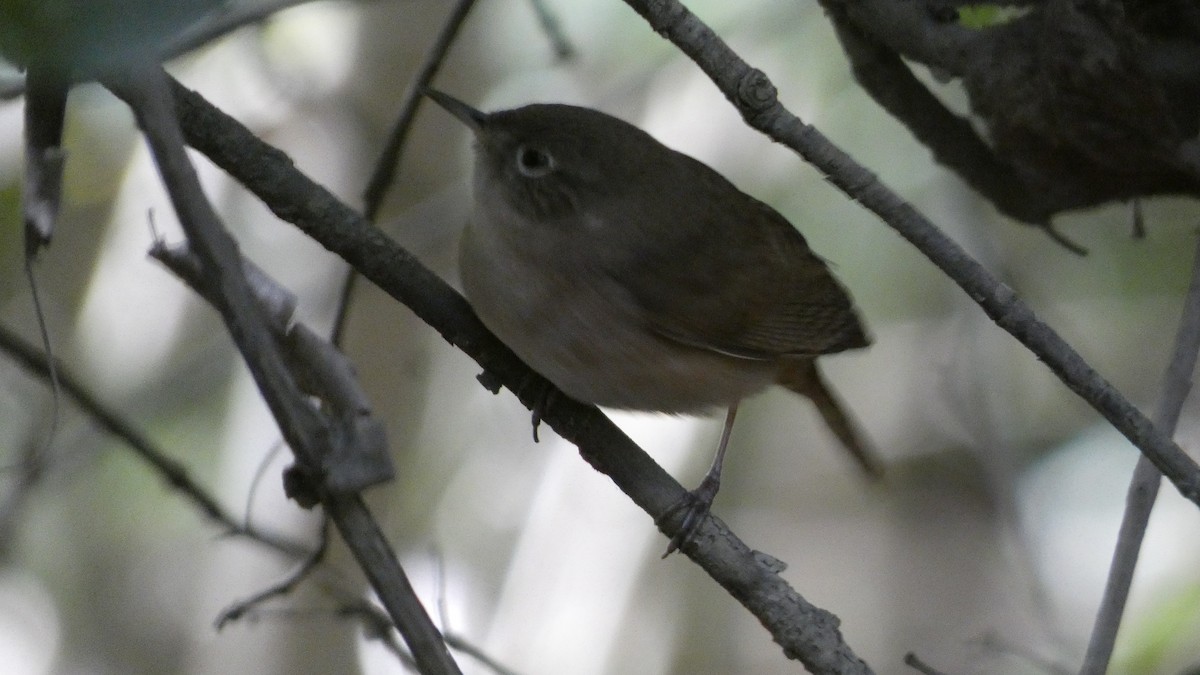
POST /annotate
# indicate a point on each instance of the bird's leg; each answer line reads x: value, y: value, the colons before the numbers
x: 698, y: 502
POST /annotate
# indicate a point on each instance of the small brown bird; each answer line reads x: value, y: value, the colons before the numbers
x: 633, y: 276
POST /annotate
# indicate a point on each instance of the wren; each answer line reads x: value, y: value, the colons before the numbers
x: 633, y: 276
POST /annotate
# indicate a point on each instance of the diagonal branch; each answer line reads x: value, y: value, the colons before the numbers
x: 755, y: 97
x: 805, y: 632
x: 218, y: 255
x: 147, y: 92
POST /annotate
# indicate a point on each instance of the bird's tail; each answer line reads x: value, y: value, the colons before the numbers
x: 802, y: 377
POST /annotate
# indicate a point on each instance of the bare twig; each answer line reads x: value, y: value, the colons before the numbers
x: 388, y: 164
x: 755, y: 97
x: 147, y: 92
x: 804, y: 631
x: 48, y: 347
x: 41, y: 198
x: 1143, y: 488
x: 378, y: 562
x: 176, y: 475
x: 259, y: 474
x: 283, y: 587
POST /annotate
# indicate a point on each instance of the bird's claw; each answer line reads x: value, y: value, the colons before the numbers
x: 696, y: 505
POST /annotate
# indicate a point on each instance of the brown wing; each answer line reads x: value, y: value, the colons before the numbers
x: 729, y: 274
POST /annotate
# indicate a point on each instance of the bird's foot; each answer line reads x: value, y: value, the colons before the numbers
x: 696, y: 506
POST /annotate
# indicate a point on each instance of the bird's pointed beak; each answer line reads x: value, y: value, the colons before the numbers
x: 465, y: 113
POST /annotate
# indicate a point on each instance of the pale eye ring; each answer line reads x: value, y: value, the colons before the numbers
x: 533, y: 162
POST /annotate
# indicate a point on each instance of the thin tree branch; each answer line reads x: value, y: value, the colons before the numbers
x: 755, y: 97
x: 805, y: 632
x: 283, y: 587
x: 146, y: 90
x: 176, y: 475
x: 41, y: 199
x: 388, y: 164
x: 1143, y: 488
x: 378, y: 562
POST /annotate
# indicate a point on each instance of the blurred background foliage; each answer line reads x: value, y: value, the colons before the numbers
x: 984, y: 551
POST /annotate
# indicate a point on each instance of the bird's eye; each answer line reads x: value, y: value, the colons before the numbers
x: 533, y: 162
